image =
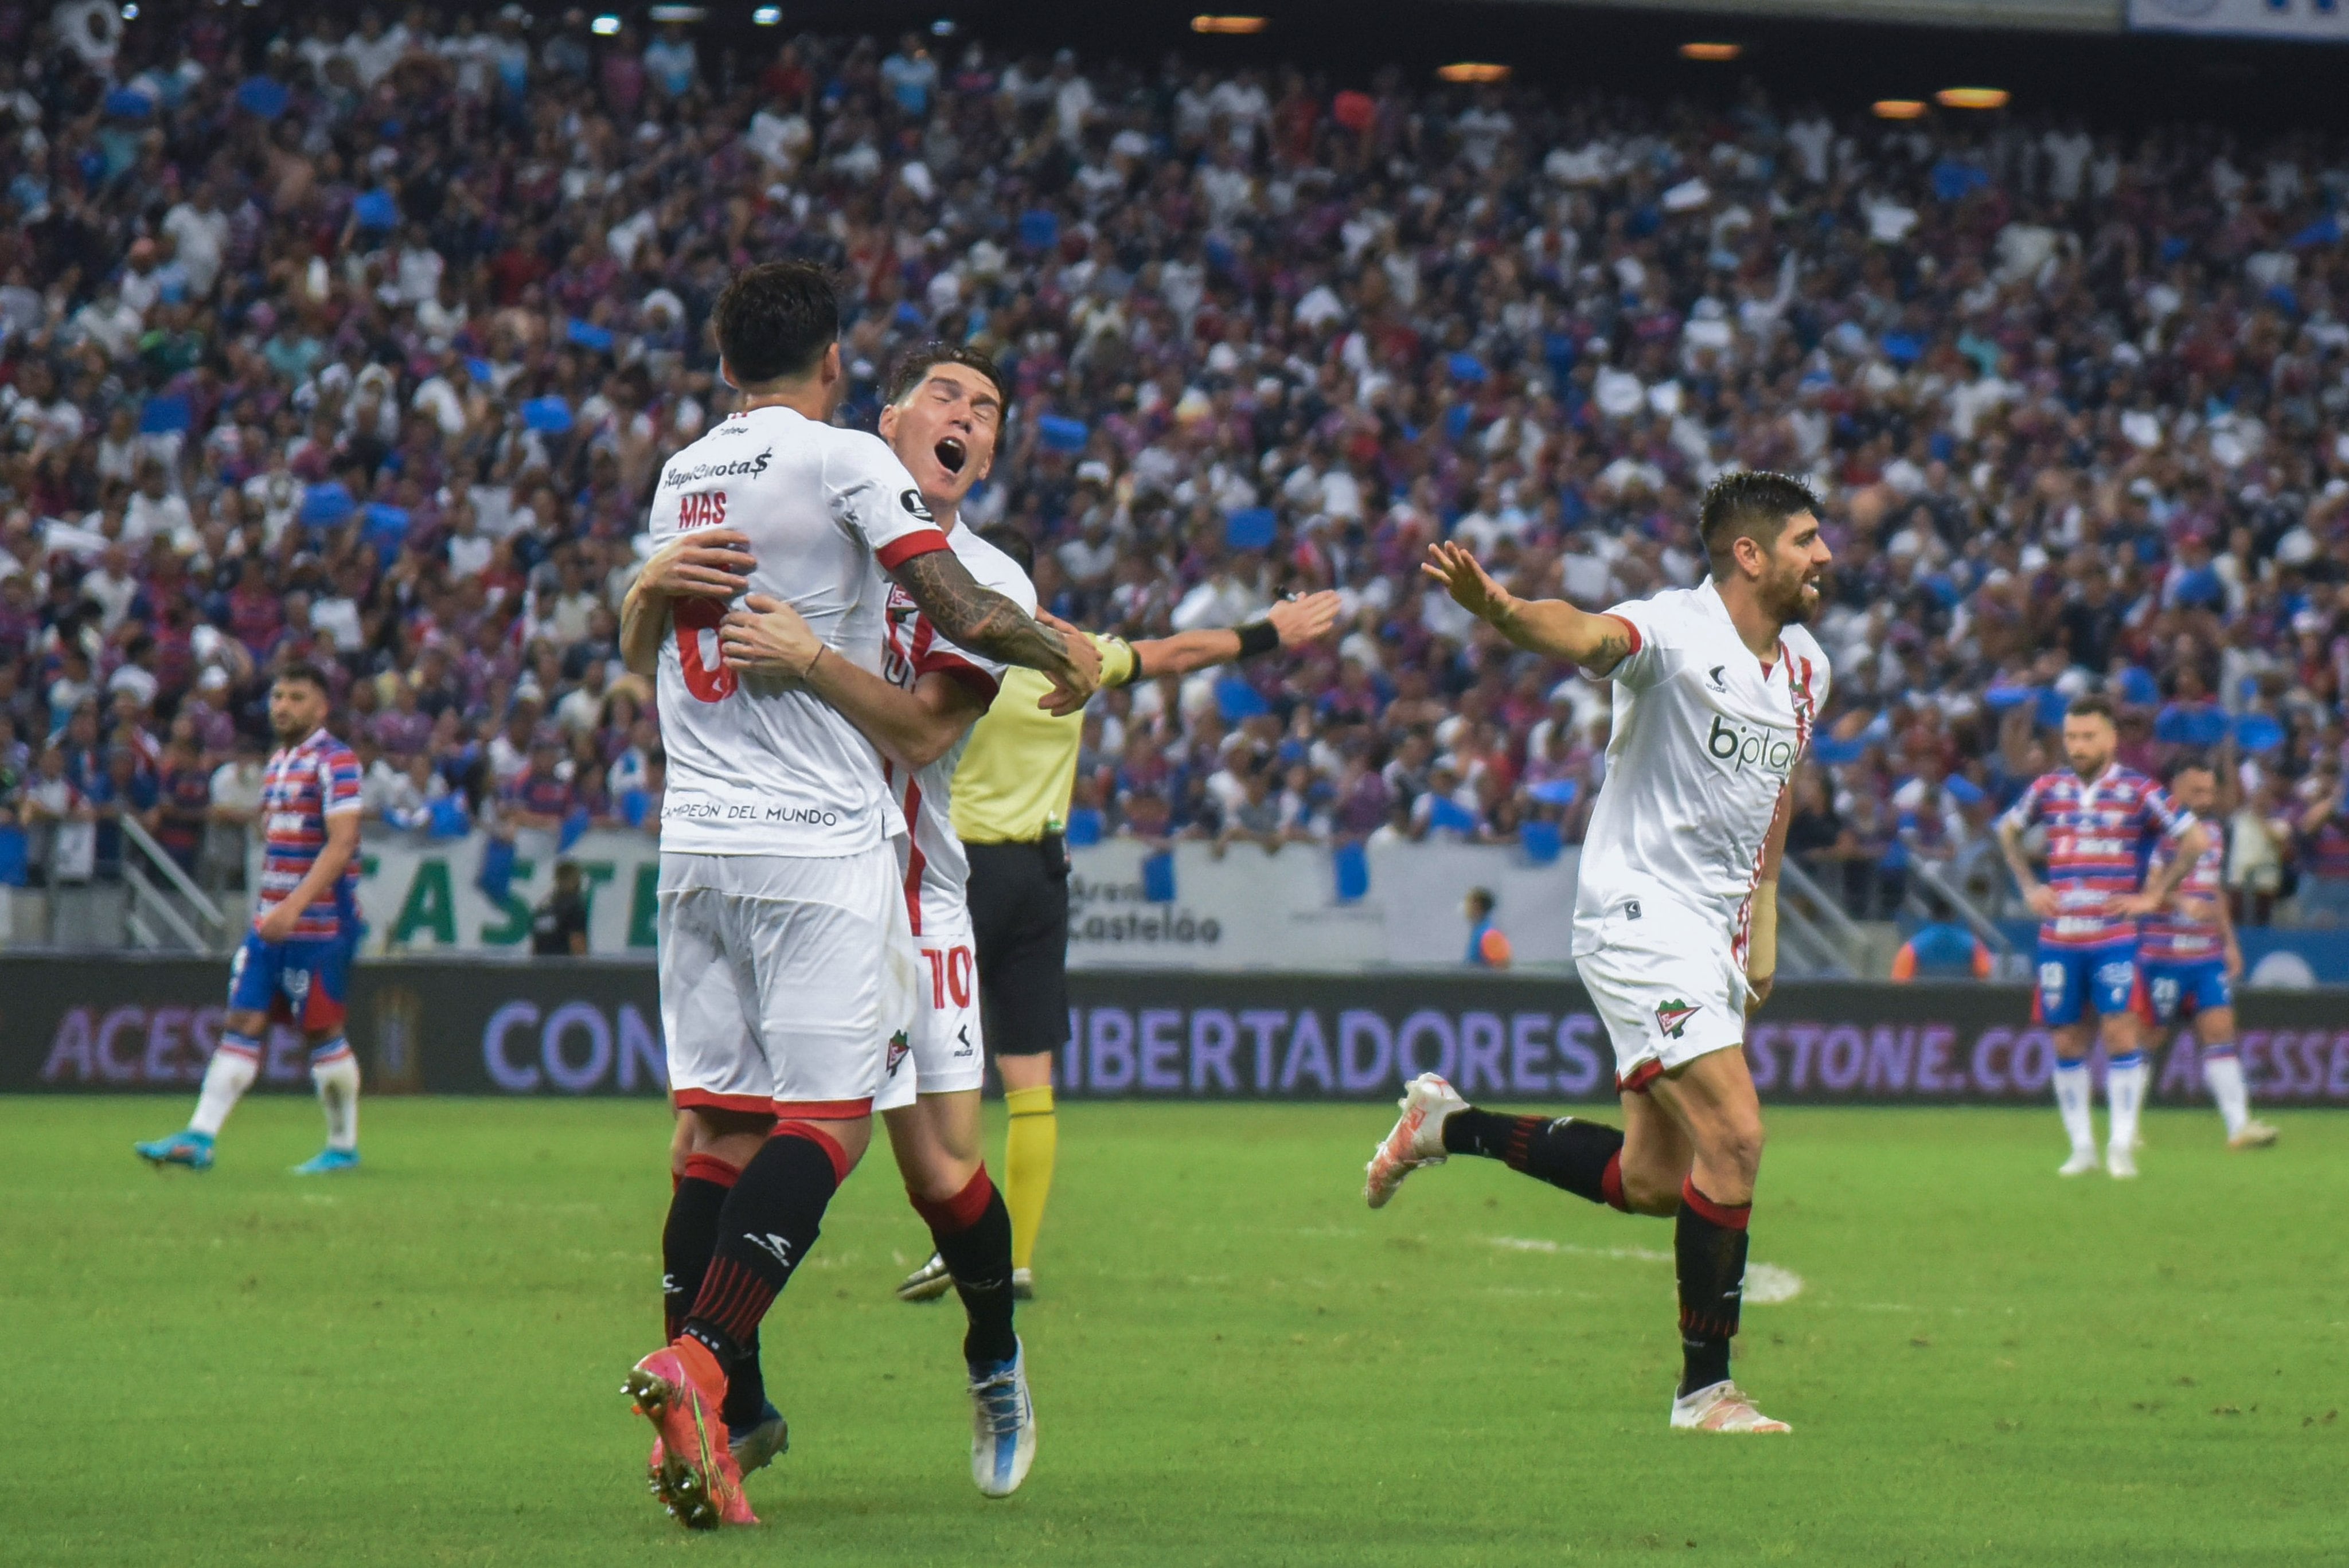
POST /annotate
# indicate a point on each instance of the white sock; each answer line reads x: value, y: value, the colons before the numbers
x: 2224, y: 1074
x: 2125, y: 1091
x: 2072, y: 1100
x: 336, y: 1074
x: 233, y: 1067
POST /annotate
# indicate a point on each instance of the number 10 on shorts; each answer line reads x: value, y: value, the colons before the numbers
x: 950, y: 974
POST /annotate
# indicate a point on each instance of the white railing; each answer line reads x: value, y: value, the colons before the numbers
x: 175, y: 917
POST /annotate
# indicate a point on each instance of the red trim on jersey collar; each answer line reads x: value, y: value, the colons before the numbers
x: 898, y: 551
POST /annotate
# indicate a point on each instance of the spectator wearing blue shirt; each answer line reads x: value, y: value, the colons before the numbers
x: 1942, y: 948
x: 1489, y: 945
x: 911, y: 75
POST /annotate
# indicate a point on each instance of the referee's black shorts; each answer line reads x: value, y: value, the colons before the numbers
x: 1018, y: 897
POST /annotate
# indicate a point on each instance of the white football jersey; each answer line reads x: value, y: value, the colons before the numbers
x: 935, y: 867
x: 1705, y: 736
x: 758, y: 765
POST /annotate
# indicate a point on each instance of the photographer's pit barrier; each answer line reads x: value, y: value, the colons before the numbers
x: 577, y: 1027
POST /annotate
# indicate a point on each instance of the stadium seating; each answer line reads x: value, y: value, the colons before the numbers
x: 366, y: 349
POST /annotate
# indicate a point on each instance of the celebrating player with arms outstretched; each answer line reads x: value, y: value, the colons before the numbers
x: 1675, y: 914
x: 2192, y: 961
x: 944, y: 414
x: 296, y: 959
x: 2103, y: 821
x: 786, y: 967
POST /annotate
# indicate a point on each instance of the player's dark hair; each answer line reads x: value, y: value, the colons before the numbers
x: 2195, y: 763
x: 2092, y: 705
x: 1014, y: 544
x: 774, y: 321
x: 1482, y: 897
x: 303, y: 670
x: 1750, y: 503
x: 915, y: 368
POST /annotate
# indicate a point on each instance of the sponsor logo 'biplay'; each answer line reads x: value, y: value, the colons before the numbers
x: 1741, y: 747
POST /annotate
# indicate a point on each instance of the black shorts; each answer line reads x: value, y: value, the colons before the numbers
x: 1018, y: 897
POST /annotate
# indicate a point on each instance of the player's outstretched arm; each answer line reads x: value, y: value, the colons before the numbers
x: 981, y: 619
x: 768, y: 637
x: 1287, y: 624
x: 712, y: 564
x: 1552, y: 626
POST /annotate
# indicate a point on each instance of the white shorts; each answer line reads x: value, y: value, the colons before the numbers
x: 783, y: 979
x: 1669, y: 989
x: 948, y: 1051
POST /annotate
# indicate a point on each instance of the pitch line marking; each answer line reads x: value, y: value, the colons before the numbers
x: 1766, y: 1284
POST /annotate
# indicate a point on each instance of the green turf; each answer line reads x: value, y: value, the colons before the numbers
x: 1235, y: 1361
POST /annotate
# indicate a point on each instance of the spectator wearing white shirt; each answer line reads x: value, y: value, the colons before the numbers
x: 374, y: 49
x: 470, y: 553
x: 200, y: 232
x: 156, y: 512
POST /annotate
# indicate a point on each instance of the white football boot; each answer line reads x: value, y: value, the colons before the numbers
x: 2083, y: 1162
x: 1721, y: 1406
x: 2120, y: 1161
x: 1003, y: 1425
x: 2256, y: 1134
x: 1417, y: 1138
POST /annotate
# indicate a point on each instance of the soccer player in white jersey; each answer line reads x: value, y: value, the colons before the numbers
x: 1717, y: 689
x: 2190, y: 960
x: 786, y: 967
x: 944, y: 412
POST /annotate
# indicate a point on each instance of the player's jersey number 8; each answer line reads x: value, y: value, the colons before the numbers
x: 710, y: 681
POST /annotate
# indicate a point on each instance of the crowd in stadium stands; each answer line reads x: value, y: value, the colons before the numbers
x: 365, y: 346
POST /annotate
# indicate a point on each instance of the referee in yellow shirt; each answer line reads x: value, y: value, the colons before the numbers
x: 1010, y: 803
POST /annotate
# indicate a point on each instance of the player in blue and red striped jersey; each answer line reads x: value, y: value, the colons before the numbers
x: 2103, y: 823
x: 2191, y: 959
x: 294, y: 962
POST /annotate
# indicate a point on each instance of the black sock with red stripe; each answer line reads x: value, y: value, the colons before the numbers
x: 770, y: 1221
x: 1586, y: 1158
x: 1709, y: 1249
x: 686, y: 1242
x: 973, y: 1234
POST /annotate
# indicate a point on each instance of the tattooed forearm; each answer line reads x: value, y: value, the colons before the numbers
x: 1611, y: 650
x: 1596, y: 642
x: 978, y: 617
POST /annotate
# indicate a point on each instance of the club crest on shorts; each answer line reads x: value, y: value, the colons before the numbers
x: 898, y: 1050
x: 1672, y: 1017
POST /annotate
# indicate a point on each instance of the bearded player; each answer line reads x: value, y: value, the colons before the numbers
x: 294, y: 967
x: 943, y: 417
x: 2192, y: 961
x: 1717, y: 689
x: 2104, y: 822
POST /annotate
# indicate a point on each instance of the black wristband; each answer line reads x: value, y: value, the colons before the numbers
x: 1258, y: 637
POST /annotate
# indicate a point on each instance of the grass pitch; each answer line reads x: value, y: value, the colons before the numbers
x: 1235, y: 1361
